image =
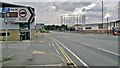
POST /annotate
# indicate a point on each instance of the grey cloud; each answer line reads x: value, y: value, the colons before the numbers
x: 70, y: 6
x: 44, y: 11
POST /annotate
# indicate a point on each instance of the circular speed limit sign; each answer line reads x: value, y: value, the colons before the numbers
x: 22, y: 13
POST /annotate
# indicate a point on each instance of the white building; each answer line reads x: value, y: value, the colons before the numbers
x: 72, y: 19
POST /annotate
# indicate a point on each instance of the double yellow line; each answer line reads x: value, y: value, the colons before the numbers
x: 69, y: 60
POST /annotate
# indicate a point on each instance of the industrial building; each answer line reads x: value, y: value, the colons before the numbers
x: 97, y: 27
x: 17, y: 31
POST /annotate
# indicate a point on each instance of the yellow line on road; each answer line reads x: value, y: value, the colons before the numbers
x: 64, y: 53
x: 69, y: 60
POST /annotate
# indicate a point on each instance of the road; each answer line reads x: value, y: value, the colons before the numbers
x: 67, y: 49
x: 93, y: 50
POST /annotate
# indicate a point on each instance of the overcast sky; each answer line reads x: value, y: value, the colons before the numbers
x: 49, y: 11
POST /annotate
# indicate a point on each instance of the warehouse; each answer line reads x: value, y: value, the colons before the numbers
x: 17, y: 31
x: 96, y: 27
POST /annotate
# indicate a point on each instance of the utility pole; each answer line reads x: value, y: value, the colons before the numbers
x: 102, y: 14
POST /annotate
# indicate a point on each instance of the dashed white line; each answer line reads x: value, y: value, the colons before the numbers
x: 85, y: 44
x: 108, y: 51
x: 55, y: 48
x: 73, y: 54
x: 101, y: 49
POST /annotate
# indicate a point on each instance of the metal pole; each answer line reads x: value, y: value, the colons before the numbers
x: 107, y: 26
x: 110, y: 27
x: 30, y: 57
x: 6, y: 30
x: 6, y: 41
x: 102, y: 13
x: 84, y: 20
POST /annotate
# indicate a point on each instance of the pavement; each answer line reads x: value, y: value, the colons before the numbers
x: 61, y: 49
x: 37, y: 53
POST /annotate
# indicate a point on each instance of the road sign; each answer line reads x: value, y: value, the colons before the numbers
x: 32, y: 12
x: 12, y: 14
x: 20, y: 14
x: 5, y: 9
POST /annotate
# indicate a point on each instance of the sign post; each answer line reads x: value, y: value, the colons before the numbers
x: 32, y: 20
x: 19, y: 15
x: 8, y: 14
x: 6, y: 30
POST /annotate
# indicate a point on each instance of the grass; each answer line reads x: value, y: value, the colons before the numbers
x: 6, y: 59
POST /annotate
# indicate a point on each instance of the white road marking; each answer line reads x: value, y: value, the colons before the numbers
x: 26, y: 46
x: 38, y: 52
x: 60, y: 58
x: 26, y: 66
x: 108, y: 51
x: 101, y: 49
x: 55, y: 48
x: 49, y: 43
x: 85, y: 44
x: 42, y: 41
x: 73, y: 54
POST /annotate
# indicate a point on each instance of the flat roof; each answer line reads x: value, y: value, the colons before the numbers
x: 118, y: 21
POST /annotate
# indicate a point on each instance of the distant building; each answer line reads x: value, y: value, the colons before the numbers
x: 118, y: 25
x: 96, y: 27
x: 72, y: 19
x: 16, y: 31
x: 39, y: 26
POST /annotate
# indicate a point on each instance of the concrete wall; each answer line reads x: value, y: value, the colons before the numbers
x: 13, y: 29
x: 14, y: 35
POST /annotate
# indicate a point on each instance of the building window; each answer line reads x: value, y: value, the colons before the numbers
x: 4, y: 34
x: 88, y: 27
x: 100, y: 26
